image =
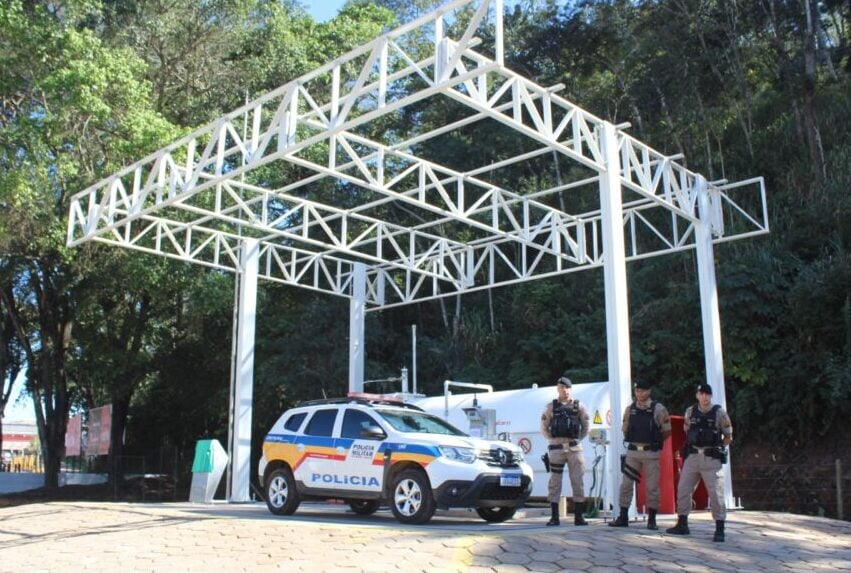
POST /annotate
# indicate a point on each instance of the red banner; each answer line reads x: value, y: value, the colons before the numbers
x: 100, y: 425
x: 74, y: 436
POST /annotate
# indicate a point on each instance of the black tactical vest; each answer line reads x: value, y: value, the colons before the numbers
x: 565, y: 421
x: 703, y: 431
x: 643, y: 428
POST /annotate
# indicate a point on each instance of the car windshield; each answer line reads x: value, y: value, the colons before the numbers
x: 419, y: 422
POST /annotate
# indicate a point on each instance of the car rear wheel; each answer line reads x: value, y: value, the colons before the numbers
x: 496, y: 514
x: 281, y: 495
x: 364, y: 506
x: 411, y: 497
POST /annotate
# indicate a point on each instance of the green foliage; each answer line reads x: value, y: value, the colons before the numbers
x: 94, y: 86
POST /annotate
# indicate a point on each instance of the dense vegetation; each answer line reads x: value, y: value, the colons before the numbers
x: 741, y: 89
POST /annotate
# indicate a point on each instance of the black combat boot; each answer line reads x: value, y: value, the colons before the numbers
x: 681, y: 528
x: 578, y: 510
x: 651, y: 519
x: 554, y: 519
x: 622, y: 520
x: 719, y: 530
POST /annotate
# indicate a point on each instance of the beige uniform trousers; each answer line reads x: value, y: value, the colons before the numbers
x: 711, y: 470
x: 646, y: 463
x: 575, y: 461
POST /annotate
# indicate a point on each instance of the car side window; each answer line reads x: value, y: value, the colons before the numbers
x: 322, y: 423
x: 293, y: 423
x: 353, y: 422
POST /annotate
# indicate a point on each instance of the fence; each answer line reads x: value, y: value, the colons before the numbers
x: 811, y: 489
x: 161, y: 474
x: 31, y: 463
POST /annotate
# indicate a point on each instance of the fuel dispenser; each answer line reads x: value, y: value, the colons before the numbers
x: 599, y: 438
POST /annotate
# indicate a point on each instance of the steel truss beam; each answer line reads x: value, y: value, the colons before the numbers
x: 306, y: 172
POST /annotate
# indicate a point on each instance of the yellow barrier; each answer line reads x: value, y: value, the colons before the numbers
x: 27, y: 463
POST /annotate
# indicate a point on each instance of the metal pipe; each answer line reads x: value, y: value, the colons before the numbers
x: 839, y: 500
x: 414, y: 357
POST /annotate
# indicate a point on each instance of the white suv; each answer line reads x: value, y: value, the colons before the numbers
x: 369, y: 452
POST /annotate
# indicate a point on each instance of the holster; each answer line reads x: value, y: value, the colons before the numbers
x: 546, y: 459
x: 628, y: 470
x: 685, y: 451
x: 718, y: 454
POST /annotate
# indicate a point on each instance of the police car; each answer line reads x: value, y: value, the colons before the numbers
x: 371, y: 452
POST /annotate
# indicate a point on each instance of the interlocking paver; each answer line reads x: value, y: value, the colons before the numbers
x: 101, y: 537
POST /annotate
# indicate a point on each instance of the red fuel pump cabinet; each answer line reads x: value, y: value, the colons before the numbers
x: 670, y: 464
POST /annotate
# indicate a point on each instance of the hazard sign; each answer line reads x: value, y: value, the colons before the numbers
x: 597, y: 418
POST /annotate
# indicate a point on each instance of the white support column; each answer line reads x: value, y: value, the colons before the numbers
x: 710, y: 316
x: 617, y: 310
x: 357, y: 319
x: 242, y: 400
x: 499, y: 48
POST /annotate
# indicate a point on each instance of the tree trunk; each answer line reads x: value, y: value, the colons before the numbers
x: 120, y: 406
x: 811, y: 129
x: 54, y: 453
x: 47, y: 375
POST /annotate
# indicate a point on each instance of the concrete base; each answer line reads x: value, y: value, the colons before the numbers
x: 12, y: 482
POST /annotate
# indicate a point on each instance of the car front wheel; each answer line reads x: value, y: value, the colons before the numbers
x: 411, y: 499
x: 281, y: 495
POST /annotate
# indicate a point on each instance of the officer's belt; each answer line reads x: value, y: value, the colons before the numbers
x: 642, y: 448
x: 706, y: 450
x: 569, y: 444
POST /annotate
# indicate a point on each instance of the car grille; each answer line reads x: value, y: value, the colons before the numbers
x: 498, y: 457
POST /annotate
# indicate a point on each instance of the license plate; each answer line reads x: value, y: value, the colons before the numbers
x: 509, y: 481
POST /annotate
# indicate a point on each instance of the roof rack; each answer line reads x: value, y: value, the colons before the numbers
x: 363, y: 400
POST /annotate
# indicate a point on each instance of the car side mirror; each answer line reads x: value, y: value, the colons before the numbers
x: 373, y: 433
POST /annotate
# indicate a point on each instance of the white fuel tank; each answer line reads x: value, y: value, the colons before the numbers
x: 518, y: 420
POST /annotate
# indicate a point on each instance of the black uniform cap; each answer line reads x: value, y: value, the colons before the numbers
x: 565, y: 381
x: 643, y: 384
x: 705, y: 388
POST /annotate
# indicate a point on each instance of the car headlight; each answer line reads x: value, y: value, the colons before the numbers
x: 518, y: 456
x: 466, y: 455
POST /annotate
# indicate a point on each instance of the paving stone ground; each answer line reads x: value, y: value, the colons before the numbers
x: 109, y: 537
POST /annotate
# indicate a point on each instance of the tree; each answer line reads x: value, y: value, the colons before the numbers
x: 72, y: 110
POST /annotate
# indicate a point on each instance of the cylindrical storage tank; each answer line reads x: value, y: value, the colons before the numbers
x: 518, y: 420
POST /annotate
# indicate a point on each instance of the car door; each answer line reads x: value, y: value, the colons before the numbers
x: 316, y: 466
x: 364, y: 463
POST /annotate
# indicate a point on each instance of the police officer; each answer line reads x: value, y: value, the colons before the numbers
x: 646, y: 426
x: 708, y: 433
x: 564, y: 424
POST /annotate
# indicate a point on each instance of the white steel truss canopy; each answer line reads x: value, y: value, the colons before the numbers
x: 332, y: 183
x: 335, y: 168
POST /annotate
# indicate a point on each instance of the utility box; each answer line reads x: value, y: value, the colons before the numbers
x: 209, y: 464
